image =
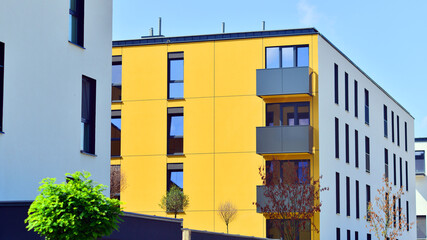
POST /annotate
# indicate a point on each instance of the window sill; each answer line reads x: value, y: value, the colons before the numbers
x: 2, y: 132
x: 89, y: 154
x: 176, y: 155
x: 420, y: 174
x: 77, y: 45
x: 176, y: 99
x: 117, y: 101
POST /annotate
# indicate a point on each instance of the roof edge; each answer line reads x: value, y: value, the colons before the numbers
x: 422, y: 139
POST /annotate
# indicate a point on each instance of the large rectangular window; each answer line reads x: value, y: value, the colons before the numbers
x: 368, y: 200
x: 386, y: 163
x: 392, y: 126
x: 88, y: 115
x: 287, y: 56
x: 347, y: 189
x: 356, y: 99
x: 116, y: 133
x: 1, y: 83
x: 398, y: 129
x: 347, y: 144
x: 116, y: 83
x: 336, y: 83
x: 357, y: 200
x: 287, y: 114
x: 175, y: 175
x: 346, y: 91
x: 421, y: 227
x: 176, y: 75
x: 406, y: 136
x: 337, y: 138
x: 420, y: 162
x: 401, y: 170
x: 303, y: 229
x: 367, y: 155
x: 337, y: 192
x: 394, y: 170
x: 366, y: 106
x: 356, y: 235
x: 175, y: 130
x: 385, y: 121
x: 356, y: 148
x: 76, y: 27
x: 287, y: 171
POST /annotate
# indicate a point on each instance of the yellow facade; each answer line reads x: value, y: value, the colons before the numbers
x: 221, y: 113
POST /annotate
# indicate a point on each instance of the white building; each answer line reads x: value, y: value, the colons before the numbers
x: 421, y: 186
x: 50, y: 53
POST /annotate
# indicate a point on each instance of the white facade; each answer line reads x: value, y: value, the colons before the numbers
x: 329, y: 165
x: 43, y: 94
x: 421, y: 188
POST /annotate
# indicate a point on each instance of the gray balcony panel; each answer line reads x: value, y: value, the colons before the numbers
x: 293, y: 197
x: 283, y: 81
x: 284, y: 139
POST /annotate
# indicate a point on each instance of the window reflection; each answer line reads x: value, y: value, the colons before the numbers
x: 287, y: 171
x: 288, y: 114
x: 273, y: 57
x: 288, y: 56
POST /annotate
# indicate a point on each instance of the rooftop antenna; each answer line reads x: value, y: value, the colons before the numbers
x: 223, y: 27
x: 160, y: 26
x: 263, y: 25
x: 150, y: 32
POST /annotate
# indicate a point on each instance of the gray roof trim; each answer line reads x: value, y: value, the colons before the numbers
x: 226, y: 234
x: 421, y: 139
x: 366, y: 75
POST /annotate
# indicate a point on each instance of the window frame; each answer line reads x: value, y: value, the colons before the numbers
x: 425, y: 225
x: 368, y: 200
x: 346, y: 91
x: 294, y: 52
x: 394, y: 170
x: 386, y: 172
x: 337, y: 138
x: 2, y: 60
x: 356, y: 148
x: 114, y: 115
x: 79, y: 15
x: 398, y: 129
x: 367, y: 154
x: 171, y: 112
x: 356, y: 99
x: 392, y: 126
x: 347, y: 183
x: 385, y: 121
x: 366, y: 107
x: 336, y: 84
x: 117, y: 60
x: 357, y: 200
x: 406, y: 136
x: 420, y: 159
x: 337, y: 193
x: 170, y: 168
x: 175, y: 56
x: 90, y: 136
x: 347, y: 144
x: 296, y: 118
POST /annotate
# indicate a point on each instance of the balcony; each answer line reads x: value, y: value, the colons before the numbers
x: 291, y: 196
x: 283, y: 81
x: 284, y: 139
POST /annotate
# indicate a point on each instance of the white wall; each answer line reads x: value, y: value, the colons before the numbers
x: 329, y: 165
x: 42, y: 93
x: 421, y: 185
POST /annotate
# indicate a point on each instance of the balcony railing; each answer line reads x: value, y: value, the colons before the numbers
x: 283, y: 81
x: 284, y: 139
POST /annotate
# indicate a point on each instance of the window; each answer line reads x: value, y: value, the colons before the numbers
x: 287, y: 171
x: 115, y: 181
x: 400, y: 212
x: 175, y: 175
x: 288, y: 114
x: 338, y: 234
x: 337, y: 192
x: 386, y: 163
x: 366, y: 106
x: 348, y: 235
x: 303, y: 233
x: 347, y: 144
x: 116, y: 130
x: 392, y: 126
x: 336, y: 83
x: 401, y: 169
x: 406, y: 174
x: 420, y: 162
x: 368, y: 200
x: 347, y: 183
x: 337, y: 139
x: 406, y: 137
x: 1, y: 83
x: 346, y: 90
x: 356, y: 235
x: 385, y: 122
x: 88, y: 115
x: 356, y: 99
x: 394, y: 211
x: 394, y: 170
x: 288, y: 56
x: 356, y: 148
x: 368, y: 236
x: 367, y: 155
x: 116, y: 83
x: 357, y: 200
x: 76, y: 22
x: 175, y: 131
x: 407, y: 215
x: 176, y: 75
x: 398, y: 130
x: 421, y: 227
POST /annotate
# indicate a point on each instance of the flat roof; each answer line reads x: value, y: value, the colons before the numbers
x: 242, y: 35
x: 421, y: 139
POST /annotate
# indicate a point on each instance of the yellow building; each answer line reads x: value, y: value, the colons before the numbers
x: 205, y: 112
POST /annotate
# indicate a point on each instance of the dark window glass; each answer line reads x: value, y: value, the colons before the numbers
x: 366, y: 106
x: 336, y: 82
x: 385, y: 122
x: 392, y: 126
x: 346, y: 90
x: 406, y: 136
x: 356, y: 235
x: 386, y: 163
x: 406, y: 174
x: 88, y: 115
x: 356, y: 147
x: 175, y: 175
x: 116, y: 83
x: 338, y: 234
x: 368, y: 236
x: 287, y: 114
x: 398, y: 129
x: 337, y: 139
x: 367, y: 155
x: 357, y: 200
x: 348, y: 235
x: 347, y: 183
x: 421, y: 227
x: 116, y: 129
x: 303, y: 229
x: 337, y: 192
x: 76, y: 26
x: 368, y: 200
x: 394, y: 211
x: 420, y: 162
x: 356, y: 99
x: 347, y: 144
x: 401, y: 174
x: 1, y: 83
x: 407, y: 215
x: 394, y: 170
x: 115, y: 181
x: 176, y: 75
x: 400, y: 212
x: 175, y: 130
x: 287, y: 171
x: 287, y: 56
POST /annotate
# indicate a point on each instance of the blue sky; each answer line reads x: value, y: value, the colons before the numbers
x: 387, y: 39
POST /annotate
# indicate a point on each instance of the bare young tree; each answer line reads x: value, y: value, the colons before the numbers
x: 117, y: 182
x: 228, y: 212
